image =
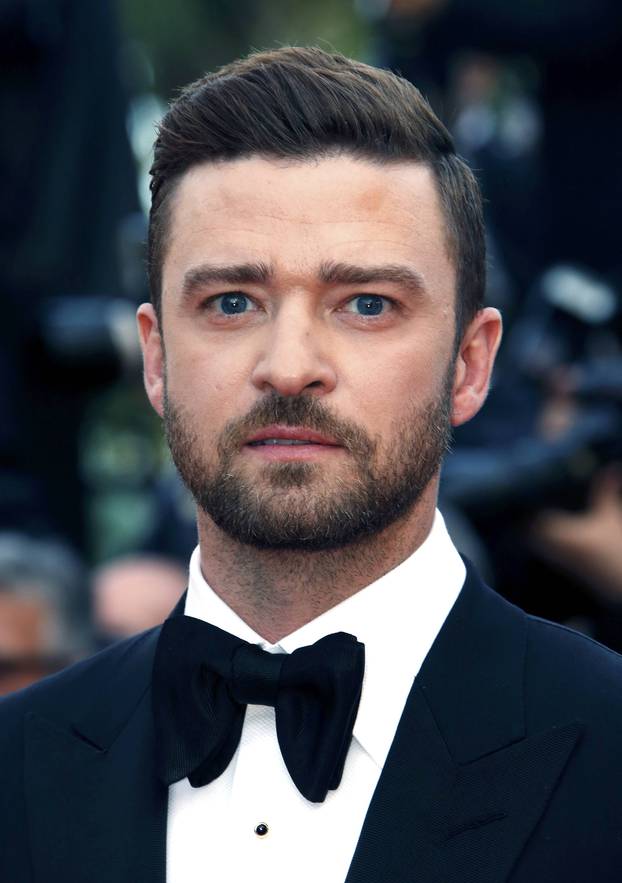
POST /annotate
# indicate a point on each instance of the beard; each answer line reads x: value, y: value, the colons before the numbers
x: 301, y: 506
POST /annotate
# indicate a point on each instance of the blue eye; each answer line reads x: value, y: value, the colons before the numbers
x: 369, y: 304
x: 233, y: 303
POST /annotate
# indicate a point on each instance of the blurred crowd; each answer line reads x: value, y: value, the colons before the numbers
x: 532, y: 490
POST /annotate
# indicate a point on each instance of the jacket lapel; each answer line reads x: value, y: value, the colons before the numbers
x: 460, y: 793
x: 96, y: 809
x: 463, y: 786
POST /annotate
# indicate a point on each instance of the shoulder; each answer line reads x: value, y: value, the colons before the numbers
x: 554, y: 674
x: 123, y: 669
x: 87, y: 702
x: 561, y: 669
x: 561, y: 643
x: 568, y: 670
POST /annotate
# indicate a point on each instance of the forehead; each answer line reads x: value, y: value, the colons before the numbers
x: 296, y: 215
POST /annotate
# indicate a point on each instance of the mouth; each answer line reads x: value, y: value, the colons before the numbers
x: 291, y: 442
x: 282, y: 441
x: 290, y: 435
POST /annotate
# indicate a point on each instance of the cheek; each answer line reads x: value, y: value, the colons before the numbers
x: 377, y: 395
x: 211, y: 385
x: 385, y: 380
x: 382, y: 392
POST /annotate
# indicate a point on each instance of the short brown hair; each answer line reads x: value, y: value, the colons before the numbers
x: 299, y: 102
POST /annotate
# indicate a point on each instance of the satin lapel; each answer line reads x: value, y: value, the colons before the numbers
x: 96, y: 810
x: 463, y: 787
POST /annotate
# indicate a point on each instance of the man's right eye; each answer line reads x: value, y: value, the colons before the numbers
x: 230, y: 304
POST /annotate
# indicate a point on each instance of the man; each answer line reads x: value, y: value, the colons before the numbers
x: 317, y: 267
x: 43, y: 626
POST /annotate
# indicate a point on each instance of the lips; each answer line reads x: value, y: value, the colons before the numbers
x: 281, y: 441
x: 289, y: 436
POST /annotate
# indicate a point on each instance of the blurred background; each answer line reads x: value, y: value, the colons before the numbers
x: 95, y: 528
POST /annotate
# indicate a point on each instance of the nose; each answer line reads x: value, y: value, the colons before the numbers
x: 295, y: 358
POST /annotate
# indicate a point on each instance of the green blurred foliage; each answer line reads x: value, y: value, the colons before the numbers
x: 185, y: 39
x: 122, y: 453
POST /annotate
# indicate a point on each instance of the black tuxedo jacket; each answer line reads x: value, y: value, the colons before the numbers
x: 506, y: 765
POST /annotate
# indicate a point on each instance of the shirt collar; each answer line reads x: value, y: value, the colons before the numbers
x: 397, y: 617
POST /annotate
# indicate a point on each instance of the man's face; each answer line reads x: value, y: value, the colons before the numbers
x: 308, y: 319
x: 25, y: 623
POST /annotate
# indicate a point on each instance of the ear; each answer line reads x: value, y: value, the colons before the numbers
x: 474, y: 364
x: 153, y: 355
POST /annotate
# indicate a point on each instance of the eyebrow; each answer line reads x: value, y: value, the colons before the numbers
x: 330, y: 273
x: 230, y: 274
x: 353, y: 274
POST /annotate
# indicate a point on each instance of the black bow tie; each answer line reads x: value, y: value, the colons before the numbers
x: 204, y: 678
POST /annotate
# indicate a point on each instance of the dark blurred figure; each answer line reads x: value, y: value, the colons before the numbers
x: 43, y: 610
x: 539, y: 478
x: 68, y: 189
x: 563, y: 203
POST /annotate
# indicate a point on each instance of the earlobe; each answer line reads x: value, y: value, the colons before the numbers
x: 474, y: 364
x: 153, y: 355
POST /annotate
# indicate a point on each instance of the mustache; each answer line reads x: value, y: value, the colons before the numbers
x: 306, y: 411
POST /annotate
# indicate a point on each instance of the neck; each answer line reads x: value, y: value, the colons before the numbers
x: 277, y: 592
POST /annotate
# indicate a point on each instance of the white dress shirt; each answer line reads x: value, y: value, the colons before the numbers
x: 211, y: 830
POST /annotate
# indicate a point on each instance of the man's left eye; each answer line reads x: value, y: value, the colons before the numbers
x: 368, y: 305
